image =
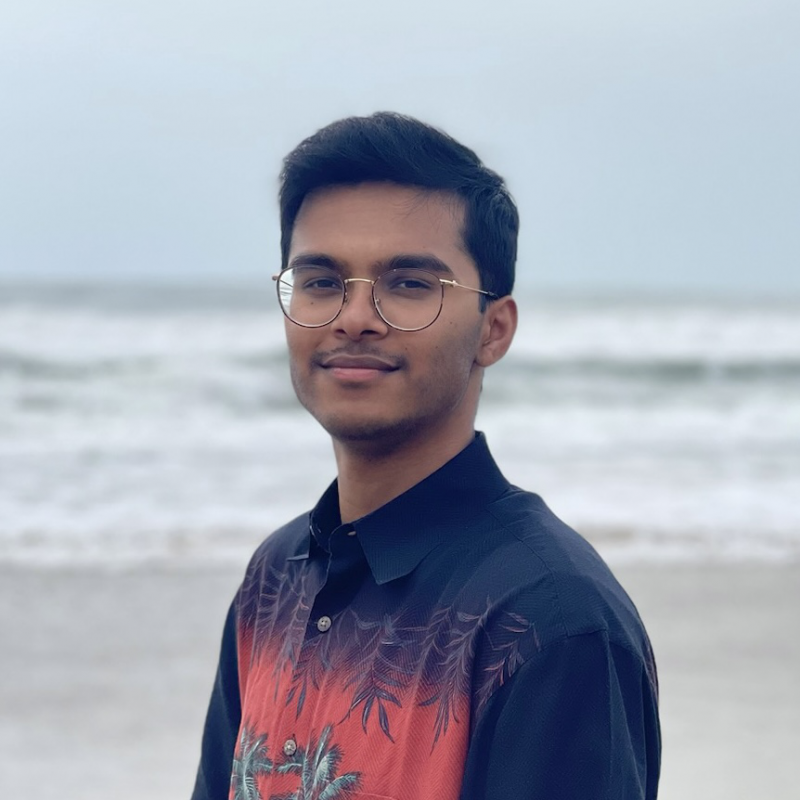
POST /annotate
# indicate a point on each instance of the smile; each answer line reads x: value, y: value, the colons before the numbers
x: 357, y: 369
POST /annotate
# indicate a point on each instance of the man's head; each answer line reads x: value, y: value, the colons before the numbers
x: 381, y: 217
x: 388, y: 147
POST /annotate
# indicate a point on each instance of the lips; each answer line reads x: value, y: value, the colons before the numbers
x: 357, y: 370
x: 358, y: 362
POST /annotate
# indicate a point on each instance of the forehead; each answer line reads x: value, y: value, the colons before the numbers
x: 370, y: 222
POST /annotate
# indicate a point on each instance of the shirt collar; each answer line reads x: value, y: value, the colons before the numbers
x: 397, y: 536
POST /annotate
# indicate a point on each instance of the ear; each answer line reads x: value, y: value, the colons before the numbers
x: 497, y: 333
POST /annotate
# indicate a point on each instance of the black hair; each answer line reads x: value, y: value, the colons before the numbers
x: 392, y: 147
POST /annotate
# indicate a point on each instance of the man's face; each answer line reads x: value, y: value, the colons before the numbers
x: 362, y: 380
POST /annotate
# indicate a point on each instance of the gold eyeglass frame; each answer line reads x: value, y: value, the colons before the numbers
x: 443, y: 281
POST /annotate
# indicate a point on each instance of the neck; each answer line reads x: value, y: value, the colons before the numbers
x: 370, y: 477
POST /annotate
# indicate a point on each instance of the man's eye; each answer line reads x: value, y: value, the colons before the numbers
x: 413, y: 284
x: 322, y: 283
x: 319, y: 283
x: 410, y: 284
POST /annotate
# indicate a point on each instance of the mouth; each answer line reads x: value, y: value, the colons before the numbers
x: 358, y: 369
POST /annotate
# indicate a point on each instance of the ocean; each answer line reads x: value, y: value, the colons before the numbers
x: 145, y: 423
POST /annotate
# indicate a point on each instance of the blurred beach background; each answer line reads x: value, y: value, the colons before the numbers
x: 149, y: 436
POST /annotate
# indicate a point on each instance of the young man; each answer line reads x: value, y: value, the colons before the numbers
x: 427, y: 631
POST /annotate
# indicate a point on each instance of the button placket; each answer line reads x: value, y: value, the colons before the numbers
x: 339, y: 548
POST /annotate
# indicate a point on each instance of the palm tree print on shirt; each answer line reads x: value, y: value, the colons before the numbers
x: 249, y: 762
x: 316, y: 765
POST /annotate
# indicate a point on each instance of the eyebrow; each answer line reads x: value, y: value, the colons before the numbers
x: 399, y: 261
x: 418, y: 261
x: 315, y: 260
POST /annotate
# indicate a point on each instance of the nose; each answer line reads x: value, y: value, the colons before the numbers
x: 358, y: 316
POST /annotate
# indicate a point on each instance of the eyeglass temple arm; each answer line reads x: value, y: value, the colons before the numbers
x: 458, y: 285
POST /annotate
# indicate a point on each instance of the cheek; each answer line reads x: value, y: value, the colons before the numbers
x: 454, y: 353
x: 462, y: 341
x: 299, y: 351
x: 298, y: 342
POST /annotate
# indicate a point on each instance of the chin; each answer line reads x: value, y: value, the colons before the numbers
x: 380, y: 432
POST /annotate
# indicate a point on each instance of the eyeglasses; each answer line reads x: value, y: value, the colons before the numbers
x: 406, y: 299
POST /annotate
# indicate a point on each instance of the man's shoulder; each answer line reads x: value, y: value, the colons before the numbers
x: 522, y: 523
x: 544, y: 569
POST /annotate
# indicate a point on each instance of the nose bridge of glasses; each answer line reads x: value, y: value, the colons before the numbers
x: 357, y: 280
x: 369, y: 291
x: 368, y: 296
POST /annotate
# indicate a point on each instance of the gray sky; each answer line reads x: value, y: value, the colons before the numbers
x: 650, y: 145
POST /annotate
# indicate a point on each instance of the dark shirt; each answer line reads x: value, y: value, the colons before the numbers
x: 459, y: 642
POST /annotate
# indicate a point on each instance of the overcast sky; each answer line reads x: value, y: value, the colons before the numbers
x: 650, y: 145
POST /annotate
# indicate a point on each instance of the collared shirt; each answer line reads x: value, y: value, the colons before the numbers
x: 459, y: 642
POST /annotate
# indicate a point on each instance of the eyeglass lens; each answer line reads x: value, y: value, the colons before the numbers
x: 409, y: 299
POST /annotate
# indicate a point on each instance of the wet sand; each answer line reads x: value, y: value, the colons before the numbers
x: 106, y: 675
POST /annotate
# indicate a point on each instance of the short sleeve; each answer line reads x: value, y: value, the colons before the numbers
x: 222, y: 722
x: 577, y: 721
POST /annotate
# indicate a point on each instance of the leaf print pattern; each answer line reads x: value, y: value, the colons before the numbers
x: 249, y: 762
x: 314, y: 662
x: 509, y: 657
x: 456, y: 661
x: 377, y: 672
x: 299, y: 608
x: 380, y: 659
x: 272, y: 600
x: 381, y: 662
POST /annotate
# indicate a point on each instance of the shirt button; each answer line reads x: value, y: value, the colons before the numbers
x: 289, y: 747
x: 323, y: 624
x: 351, y: 533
